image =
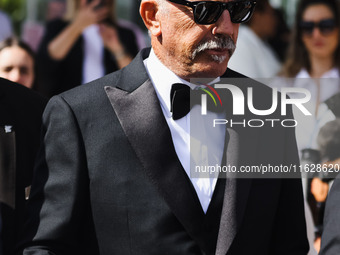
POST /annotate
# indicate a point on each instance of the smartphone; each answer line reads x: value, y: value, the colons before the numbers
x: 101, y: 4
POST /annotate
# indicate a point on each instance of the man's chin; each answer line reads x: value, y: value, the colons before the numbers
x: 219, y: 58
x: 209, y: 65
x: 218, y: 64
x: 212, y: 69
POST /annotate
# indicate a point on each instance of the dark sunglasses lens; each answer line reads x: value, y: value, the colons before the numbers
x: 241, y: 11
x: 327, y: 26
x: 207, y: 12
x: 307, y: 27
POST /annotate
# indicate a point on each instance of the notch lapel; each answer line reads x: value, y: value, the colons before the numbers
x: 240, y: 148
x: 142, y: 120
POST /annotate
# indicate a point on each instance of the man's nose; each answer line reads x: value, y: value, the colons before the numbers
x: 224, y: 25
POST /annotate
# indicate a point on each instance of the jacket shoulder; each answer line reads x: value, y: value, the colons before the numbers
x: 17, y: 95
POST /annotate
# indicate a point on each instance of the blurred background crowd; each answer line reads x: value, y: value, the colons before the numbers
x: 53, y: 45
x: 32, y: 23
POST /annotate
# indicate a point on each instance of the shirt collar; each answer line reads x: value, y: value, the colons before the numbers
x: 162, y: 79
x: 333, y: 73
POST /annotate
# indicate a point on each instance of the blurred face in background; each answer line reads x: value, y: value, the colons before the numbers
x: 17, y: 65
x: 101, y: 3
x: 264, y: 22
x: 270, y: 21
x: 320, y: 33
x: 73, y: 6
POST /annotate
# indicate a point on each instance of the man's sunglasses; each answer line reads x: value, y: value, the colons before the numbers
x: 208, y: 12
x: 326, y: 26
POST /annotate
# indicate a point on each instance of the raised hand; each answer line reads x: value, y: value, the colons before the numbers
x: 112, y: 42
x: 89, y: 14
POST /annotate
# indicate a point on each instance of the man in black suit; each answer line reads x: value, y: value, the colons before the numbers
x: 113, y: 174
x: 20, y: 122
x: 330, y: 243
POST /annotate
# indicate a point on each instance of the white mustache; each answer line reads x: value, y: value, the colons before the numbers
x: 218, y: 43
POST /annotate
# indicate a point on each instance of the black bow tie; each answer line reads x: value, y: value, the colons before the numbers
x: 179, y: 100
x: 181, y: 103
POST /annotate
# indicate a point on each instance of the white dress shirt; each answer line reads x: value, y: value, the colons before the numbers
x: 309, y: 126
x: 93, y: 63
x: 162, y: 79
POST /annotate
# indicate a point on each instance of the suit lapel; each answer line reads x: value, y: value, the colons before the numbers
x: 142, y: 120
x: 240, y: 150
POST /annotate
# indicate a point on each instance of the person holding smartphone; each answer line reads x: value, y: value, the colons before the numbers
x: 86, y: 44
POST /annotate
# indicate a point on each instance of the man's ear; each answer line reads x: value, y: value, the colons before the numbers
x: 149, y: 11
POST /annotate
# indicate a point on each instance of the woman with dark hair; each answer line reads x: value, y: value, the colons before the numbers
x: 314, y: 61
x: 17, y: 62
x: 84, y: 45
x: 314, y: 48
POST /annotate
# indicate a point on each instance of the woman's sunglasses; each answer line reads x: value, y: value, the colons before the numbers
x: 208, y: 12
x: 326, y: 26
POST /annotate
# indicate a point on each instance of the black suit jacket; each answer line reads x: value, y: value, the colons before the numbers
x: 55, y: 77
x: 108, y: 175
x: 20, y: 112
x: 330, y: 241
